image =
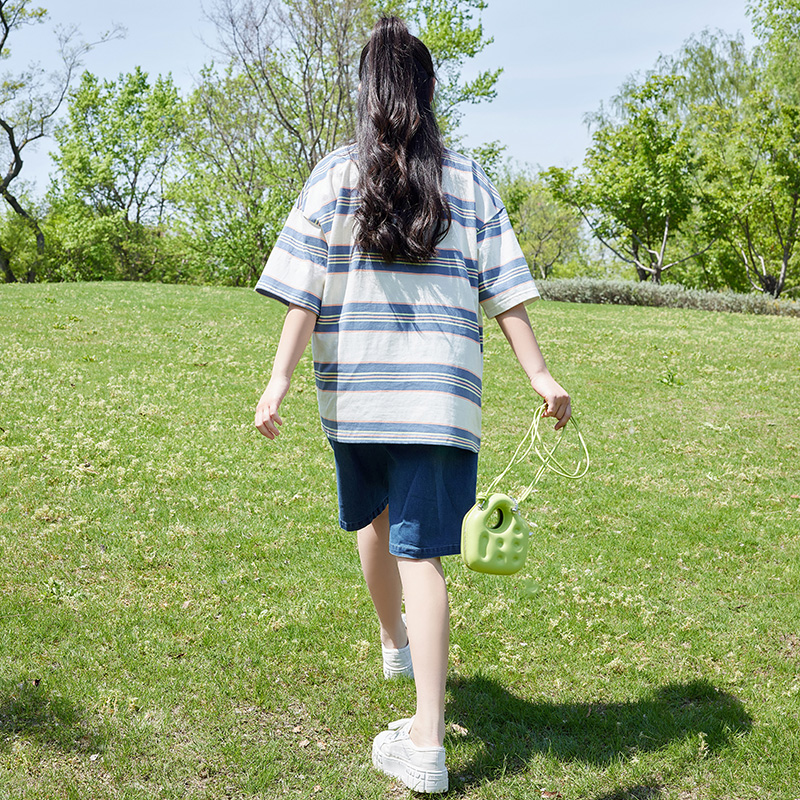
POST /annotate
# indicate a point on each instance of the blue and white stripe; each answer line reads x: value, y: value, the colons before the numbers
x: 380, y: 377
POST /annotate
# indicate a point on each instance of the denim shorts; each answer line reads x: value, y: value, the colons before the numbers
x: 428, y: 488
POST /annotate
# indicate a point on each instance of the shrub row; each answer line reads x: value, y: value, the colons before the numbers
x: 670, y: 295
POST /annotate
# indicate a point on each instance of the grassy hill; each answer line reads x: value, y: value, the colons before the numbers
x: 180, y: 616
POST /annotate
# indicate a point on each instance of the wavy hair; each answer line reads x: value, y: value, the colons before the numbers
x: 403, y: 212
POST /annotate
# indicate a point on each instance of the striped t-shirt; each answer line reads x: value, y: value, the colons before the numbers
x: 398, y: 347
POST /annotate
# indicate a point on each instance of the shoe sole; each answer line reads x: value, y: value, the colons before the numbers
x: 423, y: 781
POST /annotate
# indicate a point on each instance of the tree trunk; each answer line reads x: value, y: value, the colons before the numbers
x: 768, y: 284
x: 34, y: 268
x: 33, y: 225
x: 643, y: 274
x: 5, y: 266
x: 771, y: 285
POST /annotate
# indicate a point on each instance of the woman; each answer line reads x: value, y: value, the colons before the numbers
x: 394, y: 247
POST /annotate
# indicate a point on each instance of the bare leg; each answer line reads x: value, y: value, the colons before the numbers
x: 429, y: 633
x: 383, y: 580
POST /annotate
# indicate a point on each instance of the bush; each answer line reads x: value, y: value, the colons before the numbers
x: 672, y: 295
x: 83, y: 245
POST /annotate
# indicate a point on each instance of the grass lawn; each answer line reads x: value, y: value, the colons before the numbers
x: 180, y: 616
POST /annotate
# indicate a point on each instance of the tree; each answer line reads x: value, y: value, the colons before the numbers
x: 636, y: 189
x: 713, y: 69
x: 776, y: 23
x: 651, y: 150
x: 301, y: 58
x: 752, y: 185
x: 453, y: 33
x: 548, y: 231
x: 741, y: 113
x: 716, y: 75
x: 29, y: 102
x: 16, y: 239
x: 236, y: 188
x: 115, y: 152
x: 284, y: 99
x: 752, y: 174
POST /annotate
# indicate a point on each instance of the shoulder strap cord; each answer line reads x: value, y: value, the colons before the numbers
x: 532, y: 441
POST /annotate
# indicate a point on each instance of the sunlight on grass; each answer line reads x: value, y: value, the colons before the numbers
x: 182, y: 616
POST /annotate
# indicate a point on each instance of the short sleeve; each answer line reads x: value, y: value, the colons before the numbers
x: 504, y: 279
x: 296, y: 268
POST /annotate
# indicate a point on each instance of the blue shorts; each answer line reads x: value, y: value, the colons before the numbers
x: 428, y: 488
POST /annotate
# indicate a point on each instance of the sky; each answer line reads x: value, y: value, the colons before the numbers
x: 561, y: 60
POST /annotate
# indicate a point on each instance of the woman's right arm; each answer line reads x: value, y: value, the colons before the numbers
x: 297, y: 329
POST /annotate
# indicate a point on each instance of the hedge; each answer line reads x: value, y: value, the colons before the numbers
x: 670, y: 295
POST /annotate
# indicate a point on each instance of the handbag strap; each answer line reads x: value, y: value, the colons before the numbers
x: 532, y: 442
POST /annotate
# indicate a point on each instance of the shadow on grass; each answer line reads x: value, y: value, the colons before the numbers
x: 648, y: 791
x: 508, y: 730
x: 29, y: 711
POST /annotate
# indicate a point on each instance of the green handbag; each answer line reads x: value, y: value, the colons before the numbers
x: 494, y: 535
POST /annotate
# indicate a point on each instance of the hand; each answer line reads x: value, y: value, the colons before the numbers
x: 267, y: 418
x: 557, y: 402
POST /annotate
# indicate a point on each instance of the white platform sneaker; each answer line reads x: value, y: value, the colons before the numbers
x: 421, y: 769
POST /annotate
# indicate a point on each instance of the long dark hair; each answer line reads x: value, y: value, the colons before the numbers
x: 403, y: 212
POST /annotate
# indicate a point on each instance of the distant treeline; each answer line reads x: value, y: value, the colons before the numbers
x: 692, y: 176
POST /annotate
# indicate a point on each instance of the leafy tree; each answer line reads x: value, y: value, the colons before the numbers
x: 714, y: 69
x: 549, y: 231
x: 29, y: 101
x: 776, y: 23
x: 752, y: 185
x: 740, y: 128
x: 236, y: 188
x: 752, y: 180
x: 301, y: 59
x: 741, y: 112
x: 711, y: 77
x: 636, y: 189
x: 716, y: 75
x: 284, y: 98
x: 453, y: 33
x: 16, y: 240
x: 115, y: 152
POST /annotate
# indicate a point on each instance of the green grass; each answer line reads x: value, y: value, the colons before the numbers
x: 180, y: 616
